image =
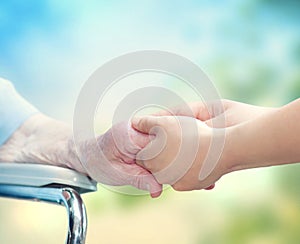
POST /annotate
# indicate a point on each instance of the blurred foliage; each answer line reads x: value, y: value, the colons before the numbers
x: 294, y: 88
x: 261, y: 224
x: 287, y: 179
x: 250, y: 86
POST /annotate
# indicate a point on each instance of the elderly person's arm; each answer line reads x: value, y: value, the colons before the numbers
x: 28, y: 136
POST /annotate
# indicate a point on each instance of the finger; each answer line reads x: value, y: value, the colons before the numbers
x: 127, y: 140
x: 210, y: 187
x: 164, y: 112
x: 145, y: 157
x: 145, y: 124
x: 143, y: 180
x: 196, y: 109
x: 139, y: 139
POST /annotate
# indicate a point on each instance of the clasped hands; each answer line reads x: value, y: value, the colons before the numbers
x: 143, y: 162
x: 143, y: 153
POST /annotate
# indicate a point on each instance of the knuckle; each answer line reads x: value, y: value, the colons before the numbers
x: 137, y: 181
x: 141, y: 123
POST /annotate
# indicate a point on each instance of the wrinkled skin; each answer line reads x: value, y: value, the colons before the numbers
x: 108, y: 159
x: 112, y: 159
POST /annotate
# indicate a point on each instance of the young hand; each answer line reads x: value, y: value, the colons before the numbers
x: 177, y: 153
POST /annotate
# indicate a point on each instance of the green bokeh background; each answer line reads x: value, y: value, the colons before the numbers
x: 251, y: 51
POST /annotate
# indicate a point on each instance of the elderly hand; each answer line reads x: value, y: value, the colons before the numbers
x: 108, y: 159
x: 184, y: 143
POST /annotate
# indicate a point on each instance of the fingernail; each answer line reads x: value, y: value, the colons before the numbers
x: 155, y: 194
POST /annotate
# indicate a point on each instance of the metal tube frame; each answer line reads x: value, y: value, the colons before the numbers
x: 65, y: 196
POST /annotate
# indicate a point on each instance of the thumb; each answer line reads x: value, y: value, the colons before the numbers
x: 138, y: 139
x: 145, y: 124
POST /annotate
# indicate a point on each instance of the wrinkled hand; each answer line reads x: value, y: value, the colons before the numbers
x: 108, y: 159
x: 183, y: 151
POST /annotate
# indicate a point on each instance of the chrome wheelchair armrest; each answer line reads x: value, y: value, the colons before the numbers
x: 50, y: 184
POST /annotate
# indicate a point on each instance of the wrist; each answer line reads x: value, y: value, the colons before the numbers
x: 251, y: 144
x: 229, y: 159
x: 71, y: 157
x: 42, y: 140
x: 88, y: 154
x: 233, y: 152
x: 217, y: 151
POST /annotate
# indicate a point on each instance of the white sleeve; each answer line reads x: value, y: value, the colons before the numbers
x: 14, y: 110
